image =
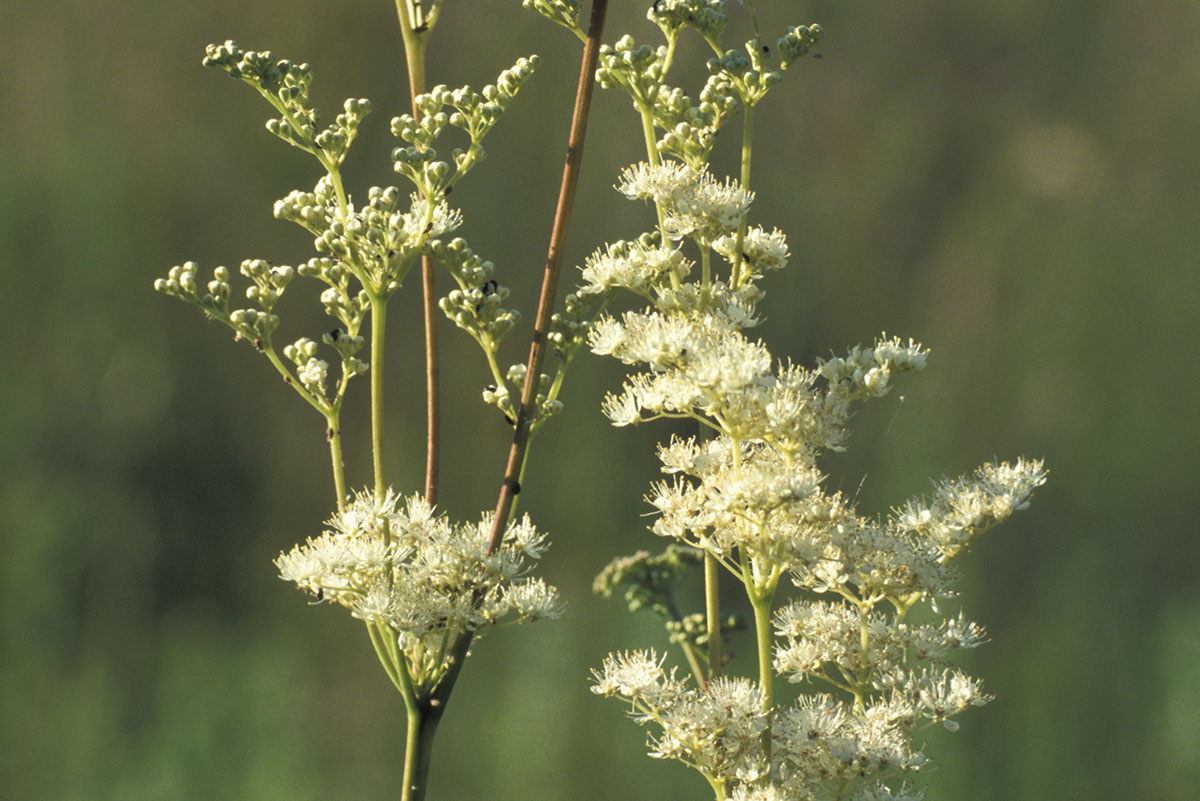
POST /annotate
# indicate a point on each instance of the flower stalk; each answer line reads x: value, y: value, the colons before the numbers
x: 415, y: 29
x: 522, y: 425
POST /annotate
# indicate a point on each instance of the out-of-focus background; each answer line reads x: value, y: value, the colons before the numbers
x: 1015, y: 184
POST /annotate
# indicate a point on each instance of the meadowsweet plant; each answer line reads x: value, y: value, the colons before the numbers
x: 424, y: 585
x: 746, y: 495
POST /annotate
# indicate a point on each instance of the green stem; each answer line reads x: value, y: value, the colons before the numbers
x: 333, y: 429
x: 712, y: 611
x: 412, y: 756
x: 864, y: 659
x: 735, y: 279
x: 693, y: 660
x: 689, y: 649
x: 334, y: 433
x: 762, y: 631
x: 390, y: 667
x: 648, y: 133
x: 654, y: 160
x: 378, y: 329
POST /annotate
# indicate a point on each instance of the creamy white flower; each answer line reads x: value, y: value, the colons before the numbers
x: 881, y: 792
x: 397, y: 563
x: 412, y: 223
x: 634, y: 266
x: 693, y: 202
x: 760, y: 251
x: 312, y: 376
x: 633, y: 674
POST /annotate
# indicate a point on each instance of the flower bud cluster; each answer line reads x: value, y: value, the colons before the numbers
x: 751, y: 74
x: 507, y: 393
x: 653, y: 582
x: 560, y: 12
x: 473, y: 112
x: 364, y: 252
x: 736, y: 79
x: 706, y: 17
x: 637, y: 69
x: 311, y: 370
x: 286, y: 85
x: 649, y: 581
x: 798, y: 42
x: 570, y: 328
x: 475, y: 306
x: 255, y: 325
x: 690, y: 129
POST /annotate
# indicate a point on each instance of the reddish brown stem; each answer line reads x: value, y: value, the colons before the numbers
x: 583, y: 97
x: 558, y: 236
x: 432, y: 431
x: 415, y: 53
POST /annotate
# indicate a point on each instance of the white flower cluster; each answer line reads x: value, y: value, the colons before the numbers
x: 751, y: 497
x: 694, y: 203
x: 717, y: 730
x: 395, y: 562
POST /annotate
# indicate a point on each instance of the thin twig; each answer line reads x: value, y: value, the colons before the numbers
x: 558, y: 236
x: 415, y: 42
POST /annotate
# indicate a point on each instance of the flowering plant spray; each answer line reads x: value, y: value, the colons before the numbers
x: 744, y: 495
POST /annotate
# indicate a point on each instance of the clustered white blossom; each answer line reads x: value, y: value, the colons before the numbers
x: 395, y: 562
x: 751, y: 496
x: 717, y: 730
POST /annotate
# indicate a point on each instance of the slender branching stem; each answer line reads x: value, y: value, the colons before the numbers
x: 761, y: 602
x: 735, y: 279
x: 653, y: 159
x: 712, y: 613
x: 379, y: 637
x: 416, y: 36
x: 648, y: 133
x: 762, y: 633
x: 333, y: 432
x: 864, y: 644
x: 424, y: 714
x: 558, y: 235
x: 412, y: 789
x: 378, y: 332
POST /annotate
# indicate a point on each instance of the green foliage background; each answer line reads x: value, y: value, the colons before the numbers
x: 1016, y: 184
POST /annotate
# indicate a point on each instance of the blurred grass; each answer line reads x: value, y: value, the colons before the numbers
x: 1016, y: 184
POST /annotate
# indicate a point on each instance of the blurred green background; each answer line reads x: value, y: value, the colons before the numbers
x: 1016, y: 184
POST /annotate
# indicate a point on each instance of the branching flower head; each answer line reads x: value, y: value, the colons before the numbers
x: 398, y: 563
x: 693, y: 202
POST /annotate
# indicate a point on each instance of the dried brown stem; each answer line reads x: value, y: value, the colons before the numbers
x: 558, y: 236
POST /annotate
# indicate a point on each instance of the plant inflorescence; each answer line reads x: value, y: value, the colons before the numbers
x: 744, y: 495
